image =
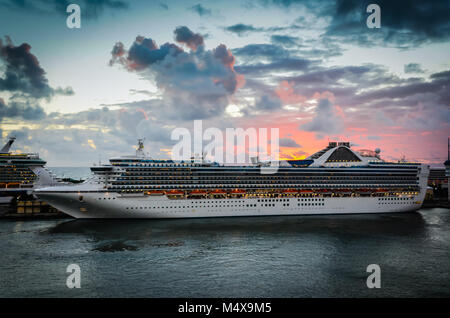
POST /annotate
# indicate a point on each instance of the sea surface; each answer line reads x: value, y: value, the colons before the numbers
x: 293, y: 256
x: 283, y: 256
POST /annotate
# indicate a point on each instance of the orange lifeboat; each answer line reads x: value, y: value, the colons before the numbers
x: 218, y: 191
x: 2, y: 185
x: 175, y: 192
x: 198, y: 192
x: 13, y: 185
x: 290, y: 191
x: 238, y: 191
x: 155, y: 192
x: 381, y: 190
x: 307, y: 191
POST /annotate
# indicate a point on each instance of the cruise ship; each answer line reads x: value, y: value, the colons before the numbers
x: 17, y: 182
x: 15, y: 169
x: 335, y: 180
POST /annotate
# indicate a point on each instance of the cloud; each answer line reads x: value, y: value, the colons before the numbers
x: 90, y: 8
x: 21, y: 110
x: 242, y: 29
x: 288, y: 142
x: 24, y: 79
x: 265, y: 59
x: 200, y: 10
x: 403, y: 25
x: 268, y: 103
x: 270, y: 51
x: 194, y: 84
x: 185, y: 36
x: 327, y: 120
x: 285, y: 40
x: 413, y: 68
x: 164, y: 6
x: 23, y: 72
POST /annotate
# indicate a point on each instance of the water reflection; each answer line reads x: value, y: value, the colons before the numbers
x: 405, y: 224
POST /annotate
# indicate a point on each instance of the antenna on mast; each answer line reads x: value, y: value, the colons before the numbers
x: 140, y: 148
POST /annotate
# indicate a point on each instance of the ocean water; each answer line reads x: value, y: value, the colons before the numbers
x: 292, y: 256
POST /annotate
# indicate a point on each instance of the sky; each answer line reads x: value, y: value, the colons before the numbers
x: 140, y: 69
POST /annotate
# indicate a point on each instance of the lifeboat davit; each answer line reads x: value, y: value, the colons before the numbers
x: 343, y: 190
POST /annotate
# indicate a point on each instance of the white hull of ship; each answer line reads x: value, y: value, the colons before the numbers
x: 112, y: 205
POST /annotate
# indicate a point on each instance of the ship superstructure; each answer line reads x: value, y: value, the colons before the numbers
x: 334, y: 180
x: 16, y: 169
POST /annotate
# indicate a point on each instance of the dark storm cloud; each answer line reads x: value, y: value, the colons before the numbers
x: 21, y: 110
x: 185, y: 36
x: 194, y: 84
x: 89, y: 8
x: 23, y: 73
x: 403, y: 24
x: 200, y: 10
x: 143, y: 52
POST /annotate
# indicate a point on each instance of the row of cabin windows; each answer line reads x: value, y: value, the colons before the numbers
x: 264, y: 179
x: 309, y: 204
x: 259, y: 176
x: 392, y: 199
x: 189, y: 207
